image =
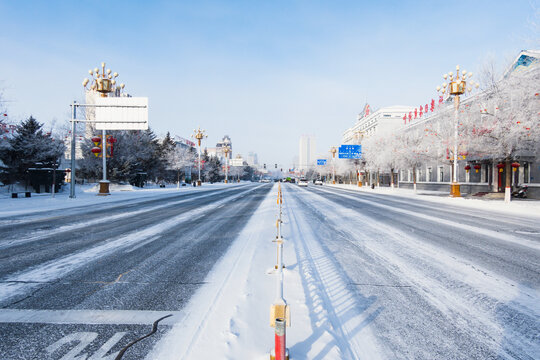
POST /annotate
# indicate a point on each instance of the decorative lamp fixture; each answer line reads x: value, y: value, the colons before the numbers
x: 467, y: 168
x: 515, y: 166
x: 104, y: 82
x: 457, y: 85
x: 96, y: 151
x: 500, y: 166
x: 477, y: 167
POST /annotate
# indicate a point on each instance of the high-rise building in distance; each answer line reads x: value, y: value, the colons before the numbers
x: 306, y: 154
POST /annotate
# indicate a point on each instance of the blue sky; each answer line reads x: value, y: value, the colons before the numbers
x: 263, y: 72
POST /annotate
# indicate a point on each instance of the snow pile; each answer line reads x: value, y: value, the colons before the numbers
x: 113, y: 187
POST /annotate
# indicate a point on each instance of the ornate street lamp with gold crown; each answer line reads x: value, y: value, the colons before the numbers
x: 226, y: 150
x: 103, y: 83
x: 199, y: 134
x: 333, y: 150
x: 456, y: 87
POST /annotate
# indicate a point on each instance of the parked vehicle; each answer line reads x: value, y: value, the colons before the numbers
x: 521, y: 192
x: 318, y: 182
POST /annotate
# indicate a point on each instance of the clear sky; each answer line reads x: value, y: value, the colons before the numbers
x: 263, y: 72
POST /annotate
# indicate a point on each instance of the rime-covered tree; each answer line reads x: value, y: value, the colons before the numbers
x: 505, y: 123
x: 180, y: 158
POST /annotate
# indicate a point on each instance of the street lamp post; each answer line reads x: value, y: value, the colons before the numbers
x: 359, y: 136
x: 199, y: 134
x: 456, y: 87
x: 333, y: 150
x: 226, y: 150
x: 103, y: 83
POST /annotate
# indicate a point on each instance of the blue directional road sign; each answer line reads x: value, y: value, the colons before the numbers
x: 321, y: 161
x: 350, y: 151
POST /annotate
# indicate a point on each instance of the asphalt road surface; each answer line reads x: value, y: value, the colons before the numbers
x: 82, y: 283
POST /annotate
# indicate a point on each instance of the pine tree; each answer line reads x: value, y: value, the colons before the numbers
x: 29, y: 147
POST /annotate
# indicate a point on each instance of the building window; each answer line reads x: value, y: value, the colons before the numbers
x: 526, y: 173
x: 440, y: 177
x: 429, y: 174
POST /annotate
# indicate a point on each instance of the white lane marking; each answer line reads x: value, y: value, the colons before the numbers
x: 41, y: 234
x: 87, y: 317
x: 84, y: 339
x: 103, y: 350
x: 21, y: 282
x: 142, y: 243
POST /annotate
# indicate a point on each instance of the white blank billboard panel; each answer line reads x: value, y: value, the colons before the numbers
x: 122, y: 113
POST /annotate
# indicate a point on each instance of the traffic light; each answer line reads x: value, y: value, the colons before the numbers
x: 264, y: 165
x: 276, y: 166
x: 98, y: 146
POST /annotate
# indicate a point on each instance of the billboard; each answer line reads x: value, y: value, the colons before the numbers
x: 350, y: 151
x: 121, y: 113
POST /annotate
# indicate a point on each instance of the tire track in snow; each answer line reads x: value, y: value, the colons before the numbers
x: 329, y: 294
x: 535, y: 245
x: 468, y: 294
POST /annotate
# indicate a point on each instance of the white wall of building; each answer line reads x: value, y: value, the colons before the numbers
x: 381, y: 121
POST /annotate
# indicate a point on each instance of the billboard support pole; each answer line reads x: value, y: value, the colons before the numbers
x: 73, y: 144
x: 72, y: 181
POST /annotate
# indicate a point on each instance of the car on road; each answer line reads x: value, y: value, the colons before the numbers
x: 302, y: 182
x: 318, y: 182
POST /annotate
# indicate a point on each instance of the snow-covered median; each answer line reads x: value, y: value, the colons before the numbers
x: 228, y: 318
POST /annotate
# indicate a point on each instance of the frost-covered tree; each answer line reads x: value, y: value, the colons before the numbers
x: 412, y: 151
x: 237, y: 172
x: 180, y: 158
x: 381, y: 154
x: 29, y: 147
x: 506, y: 122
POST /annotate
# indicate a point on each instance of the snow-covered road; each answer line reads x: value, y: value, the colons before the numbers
x: 97, y: 277
x: 430, y: 282
x: 368, y: 276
